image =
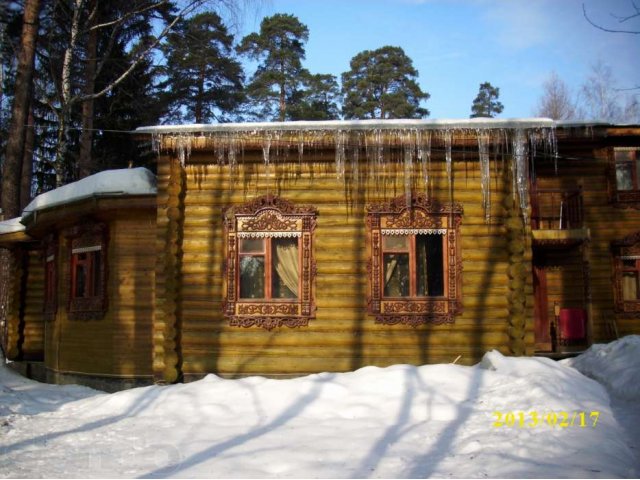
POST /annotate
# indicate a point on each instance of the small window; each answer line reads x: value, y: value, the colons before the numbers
x: 626, y: 265
x: 415, y: 267
x: 86, y: 272
x: 630, y: 279
x: 269, y: 266
x: 627, y: 175
x: 87, y: 276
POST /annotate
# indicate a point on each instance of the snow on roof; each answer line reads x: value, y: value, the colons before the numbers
x: 128, y: 181
x: 11, y: 226
x: 435, y: 124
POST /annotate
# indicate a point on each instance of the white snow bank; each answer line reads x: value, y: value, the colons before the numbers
x: 435, y: 124
x: 128, y: 181
x: 11, y: 226
x: 396, y: 422
x: 616, y: 365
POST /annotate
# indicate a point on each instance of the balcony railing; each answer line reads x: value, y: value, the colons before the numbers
x: 556, y: 209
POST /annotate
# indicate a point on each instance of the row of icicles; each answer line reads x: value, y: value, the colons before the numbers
x: 517, y: 145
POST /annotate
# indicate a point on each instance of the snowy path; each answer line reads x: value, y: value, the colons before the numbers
x: 401, y: 421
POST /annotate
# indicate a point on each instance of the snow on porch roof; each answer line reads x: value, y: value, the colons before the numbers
x: 128, y: 181
x: 435, y: 124
x: 12, y: 225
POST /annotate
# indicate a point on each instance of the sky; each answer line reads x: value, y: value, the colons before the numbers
x: 458, y: 44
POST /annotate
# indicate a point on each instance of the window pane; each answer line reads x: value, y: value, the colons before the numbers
x: 395, y: 242
x: 81, y: 281
x: 429, y: 265
x: 285, y: 275
x: 252, y: 277
x: 624, y: 155
x: 97, y: 277
x: 630, y: 287
x: 624, y: 178
x: 629, y: 263
x: 396, y: 274
x: 252, y: 245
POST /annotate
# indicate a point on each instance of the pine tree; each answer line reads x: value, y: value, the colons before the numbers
x: 203, y: 76
x: 317, y: 100
x: 382, y: 84
x: 279, y: 49
x: 486, y: 104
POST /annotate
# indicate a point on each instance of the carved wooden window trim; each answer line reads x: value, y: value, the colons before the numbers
x: 50, y: 307
x: 88, y: 247
x: 626, y: 198
x: 270, y: 217
x: 420, y: 217
x: 626, y: 249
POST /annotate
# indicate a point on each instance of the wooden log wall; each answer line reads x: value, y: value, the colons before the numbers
x: 342, y: 336
x: 606, y: 222
x: 32, y: 345
x: 119, y: 344
x: 11, y: 301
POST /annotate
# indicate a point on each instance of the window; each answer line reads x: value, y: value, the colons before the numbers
x: 87, y: 276
x: 631, y: 278
x: 626, y: 267
x: 627, y: 175
x: 415, y: 266
x: 269, y: 266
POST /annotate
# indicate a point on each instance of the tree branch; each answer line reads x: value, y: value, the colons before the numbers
x: 142, y: 55
x: 609, y: 30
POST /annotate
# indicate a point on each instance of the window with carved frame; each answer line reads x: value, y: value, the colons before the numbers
x: 88, y: 272
x: 626, y: 268
x: 269, y: 269
x: 625, y: 187
x: 50, y: 277
x: 415, y: 265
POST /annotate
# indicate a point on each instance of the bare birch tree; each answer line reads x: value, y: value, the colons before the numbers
x: 556, y: 102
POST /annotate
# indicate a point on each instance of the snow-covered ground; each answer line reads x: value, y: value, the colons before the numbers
x: 401, y: 421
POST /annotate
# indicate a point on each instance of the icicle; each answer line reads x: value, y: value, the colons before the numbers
x: 219, y: 149
x: 340, y: 154
x: 156, y: 143
x: 233, y: 153
x: 408, y: 148
x: 424, y: 156
x: 183, y: 146
x: 355, y: 156
x: 266, y: 147
x: 449, y: 161
x: 485, y: 172
x: 300, y: 145
x: 520, y: 169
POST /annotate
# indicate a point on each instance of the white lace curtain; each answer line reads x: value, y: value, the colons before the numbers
x: 286, y: 262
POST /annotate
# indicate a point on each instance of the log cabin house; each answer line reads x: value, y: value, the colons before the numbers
x: 283, y: 249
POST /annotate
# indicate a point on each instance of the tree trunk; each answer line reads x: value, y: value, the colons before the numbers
x: 65, y: 97
x: 14, y: 153
x: 27, y: 161
x: 85, y: 160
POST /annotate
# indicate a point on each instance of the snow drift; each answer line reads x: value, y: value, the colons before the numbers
x: 400, y: 421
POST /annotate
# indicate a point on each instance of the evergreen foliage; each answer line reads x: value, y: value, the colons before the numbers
x: 382, y: 84
x: 317, y: 100
x: 279, y: 49
x: 486, y: 103
x: 203, y: 77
